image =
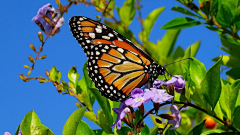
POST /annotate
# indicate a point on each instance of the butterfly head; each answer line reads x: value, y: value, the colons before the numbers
x: 161, y: 70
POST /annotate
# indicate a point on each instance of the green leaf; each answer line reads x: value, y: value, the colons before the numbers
x: 145, y: 130
x: 181, y: 23
x: 184, y: 11
x: 45, y: 130
x: 233, y: 98
x: 236, y: 117
x: 194, y: 48
x: 197, y: 71
x: 225, y: 133
x: 234, y: 73
x: 235, y: 83
x: 124, y: 130
x: 89, y: 83
x: 171, y: 132
x: 149, y: 22
x: 200, y: 101
x: 104, y: 124
x: 55, y: 75
x: 100, y: 132
x: 83, y: 97
x: 72, y: 123
x: 138, y: 115
x: 127, y: 12
x: 104, y: 104
x: 232, y: 46
x: 154, y: 131
x: 214, y: 6
x: 73, y: 76
x: 229, y: 61
x: 197, y: 130
x: 218, y: 110
x: 91, y: 116
x: 165, y: 47
x: 209, y: 132
x: 84, y: 129
x: 215, y: 29
x: 237, y: 18
x: 224, y: 99
x: 225, y: 16
x: 16, y: 132
x: 31, y: 124
x: 211, y: 84
x: 153, y: 50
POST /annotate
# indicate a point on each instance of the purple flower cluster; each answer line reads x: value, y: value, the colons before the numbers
x: 53, y: 15
x: 158, y: 95
x: 176, y: 81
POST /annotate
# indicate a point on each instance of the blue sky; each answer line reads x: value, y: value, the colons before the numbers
x: 18, y: 32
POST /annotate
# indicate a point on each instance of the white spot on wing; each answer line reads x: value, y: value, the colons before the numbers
x: 120, y: 50
x: 110, y: 34
x: 98, y: 30
x: 106, y: 37
x: 92, y: 35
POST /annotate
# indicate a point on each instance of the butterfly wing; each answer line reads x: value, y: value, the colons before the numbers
x: 116, y: 71
x: 115, y: 64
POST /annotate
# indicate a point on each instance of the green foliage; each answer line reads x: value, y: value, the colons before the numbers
x: 211, y: 85
x: 181, y: 23
x: 149, y: 22
x: 197, y: 130
x: 127, y: 12
x: 31, y: 124
x: 185, y: 11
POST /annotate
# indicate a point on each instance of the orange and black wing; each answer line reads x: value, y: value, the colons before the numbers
x: 115, y: 64
x: 116, y: 71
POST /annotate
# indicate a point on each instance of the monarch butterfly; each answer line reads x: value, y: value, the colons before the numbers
x: 115, y: 64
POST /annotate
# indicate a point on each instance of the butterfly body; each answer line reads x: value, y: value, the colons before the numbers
x: 115, y: 64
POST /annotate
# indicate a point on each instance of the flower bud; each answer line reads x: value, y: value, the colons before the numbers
x: 47, y: 73
x: 25, y: 66
x: 43, y: 57
x: 45, y: 17
x: 141, y: 109
x: 41, y: 26
x: 31, y: 59
x: 22, y: 76
x: 29, y: 72
x: 59, y: 90
x: 42, y: 80
x: 167, y: 116
x: 40, y: 36
x: 32, y: 47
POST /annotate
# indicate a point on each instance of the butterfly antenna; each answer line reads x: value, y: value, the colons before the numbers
x: 104, y: 10
x: 177, y: 62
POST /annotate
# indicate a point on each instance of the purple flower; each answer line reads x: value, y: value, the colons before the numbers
x: 121, y: 111
x: 52, y: 15
x: 159, y: 95
x: 176, y: 117
x: 138, y: 97
x: 7, y: 133
x: 158, y: 83
x: 177, y: 82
